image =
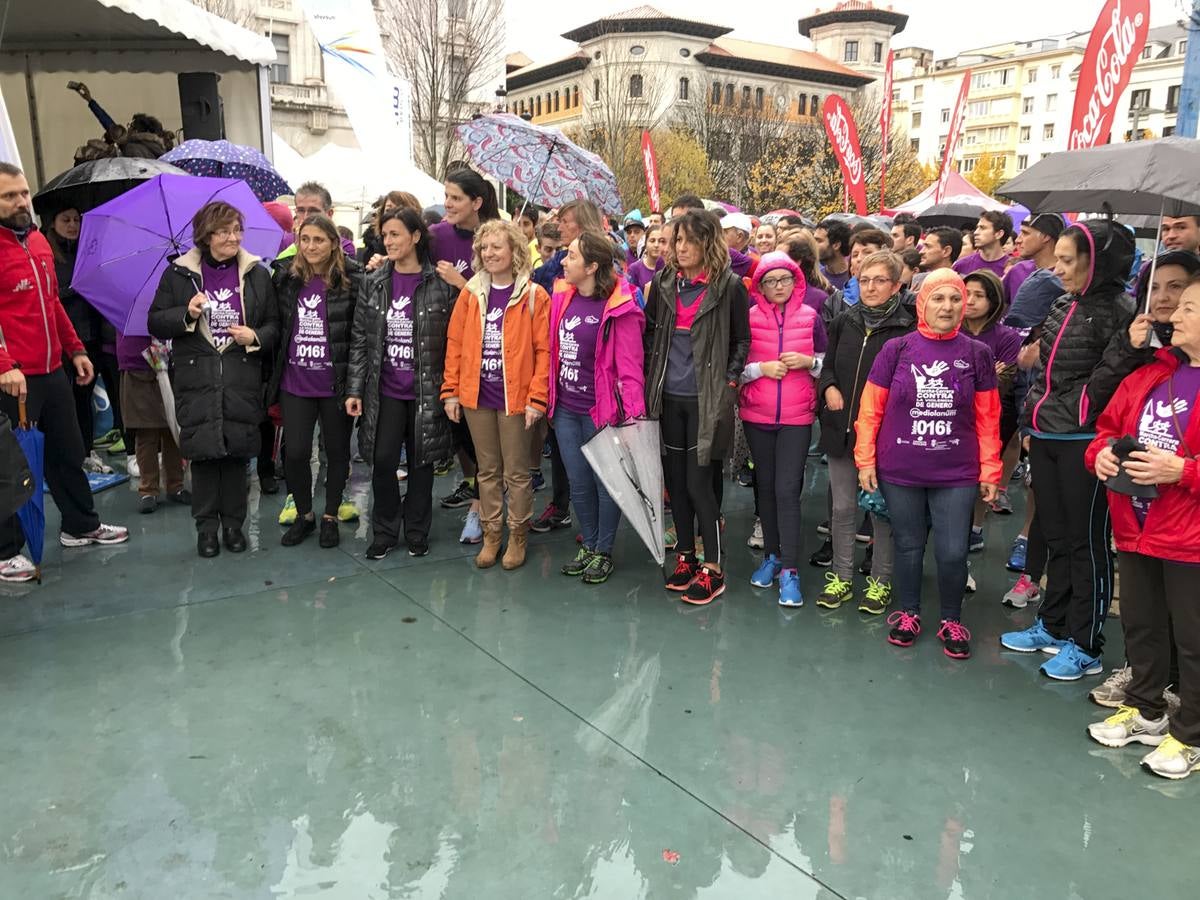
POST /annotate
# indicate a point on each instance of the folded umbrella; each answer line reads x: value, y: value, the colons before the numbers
x: 16, y: 481
x: 126, y: 244
x: 541, y: 164
x: 627, y: 459
x: 97, y: 181
x: 222, y: 159
x: 32, y: 514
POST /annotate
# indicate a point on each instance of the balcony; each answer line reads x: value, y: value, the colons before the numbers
x: 300, y: 96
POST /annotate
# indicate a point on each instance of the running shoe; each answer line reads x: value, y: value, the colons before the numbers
x: 686, y: 570
x: 823, y: 558
x: 287, y: 515
x: 17, y: 569
x: 823, y: 528
x: 1071, y: 664
x: 1002, y: 506
x: 598, y: 570
x: 576, y: 567
x: 92, y: 463
x: 1111, y: 692
x: 1019, y: 471
x: 956, y: 640
x: 551, y: 518
x: 755, y: 540
x: 105, y: 534
x: 347, y: 510
x: 745, y: 475
x: 1172, y: 759
x: 1032, y: 639
x: 379, y: 548
x: 976, y: 542
x: 472, y: 532
x: 1126, y: 726
x: 1021, y: 594
x: 443, y: 467
x: 866, y: 530
x: 1018, y: 554
x: 868, y: 562
x: 705, y: 588
x: 905, y: 628
x: 875, y: 601
x: 537, y: 481
x: 789, y: 589
x: 765, y: 575
x: 107, y: 439
x: 117, y: 446
x: 461, y: 495
x: 837, y: 591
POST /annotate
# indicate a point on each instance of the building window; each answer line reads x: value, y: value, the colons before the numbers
x: 968, y: 164
x: 801, y: 105
x: 635, y: 86
x: 685, y: 52
x: 1027, y: 105
x: 1147, y: 52
x: 1048, y: 131
x: 1051, y: 102
x: 745, y: 96
x: 637, y: 50
x: 1168, y: 130
x: 915, y: 143
x: 1055, y: 72
x: 1140, y: 99
x: 977, y: 108
x: 1180, y: 50
x: 575, y: 96
x: 556, y: 101
x: 729, y: 95
x: 916, y: 120
x: 981, y: 80
x: 538, y: 106
x: 596, y: 90
x: 1006, y: 76
x: 1025, y: 133
x: 758, y: 99
x: 814, y: 105
x: 919, y: 92
x: 945, y: 115
x: 281, y: 69
x: 878, y: 50
x: 1022, y: 162
x: 683, y: 89
x: 1031, y: 75
x: 716, y: 97
x: 1173, y: 98
x: 850, y: 52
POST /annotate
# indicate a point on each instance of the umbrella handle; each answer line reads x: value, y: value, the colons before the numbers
x: 23, y: 414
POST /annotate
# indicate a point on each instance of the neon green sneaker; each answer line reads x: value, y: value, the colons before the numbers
x: 347, y: 510
x: 877, y: 597
x: 117, y: 446
x: 837, y: 591
x: 287, y: 515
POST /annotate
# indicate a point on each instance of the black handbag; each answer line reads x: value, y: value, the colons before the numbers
x: 16, y: 481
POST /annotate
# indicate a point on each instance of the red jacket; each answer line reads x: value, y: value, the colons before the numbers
x: 34, y: 328
x: 1172, y: 529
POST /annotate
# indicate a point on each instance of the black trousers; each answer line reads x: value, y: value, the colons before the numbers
x: 1156, y: 595
x: 690, y: 485
x: 396, y: 429
x: 108, y: 369
x: 219, y: 492
x: 265, y: 463
x: 560, y: 483
x: 779, y: 459
x: 300, y: 417
x: 1035, y: 550
x: 50, y: 405
x: 83, y: 403
x: 1073, y: 510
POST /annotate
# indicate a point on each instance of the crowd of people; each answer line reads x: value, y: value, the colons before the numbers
x: 927, y: 369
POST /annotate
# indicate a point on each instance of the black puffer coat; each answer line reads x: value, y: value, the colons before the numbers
x: 1083, y: 359
x: 82, y: 314
x: 340, y: 300
x: 432, y: 305
x: 218, y: 395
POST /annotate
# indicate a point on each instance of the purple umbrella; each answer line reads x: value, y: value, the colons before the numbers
x: 125, y: 245
x: 221, y: 159
x: 541, y: 164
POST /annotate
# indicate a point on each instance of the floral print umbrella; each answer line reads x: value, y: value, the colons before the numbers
x: 221, y: 159
x: 541, y: 164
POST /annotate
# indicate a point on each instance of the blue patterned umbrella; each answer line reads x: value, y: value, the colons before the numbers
x: 221, y: 159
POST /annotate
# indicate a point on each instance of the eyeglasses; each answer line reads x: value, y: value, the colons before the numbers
x: 877, y: 281
x: 778, y: 282
x: 235, y: 231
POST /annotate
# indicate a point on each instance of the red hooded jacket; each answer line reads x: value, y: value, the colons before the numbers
x: 34, y: 328
x: 1172, y: 529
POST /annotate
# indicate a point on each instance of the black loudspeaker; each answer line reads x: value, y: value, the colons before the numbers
x: 200, y: 105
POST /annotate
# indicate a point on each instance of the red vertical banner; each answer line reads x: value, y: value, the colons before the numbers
x: 650, y: 164
x: 843, y: 135
x: 1112, y: 51
x: 885, y: 126
x: 956, y: 124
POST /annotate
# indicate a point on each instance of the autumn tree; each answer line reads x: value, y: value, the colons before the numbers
x: 682, y: 168
x: 988, y: 173
x: 239, y: 12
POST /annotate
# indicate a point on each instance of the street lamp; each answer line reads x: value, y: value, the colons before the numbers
x: 1136, y: 114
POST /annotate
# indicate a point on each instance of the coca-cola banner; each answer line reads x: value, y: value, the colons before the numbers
x: 885, y: 125
x: 956, y: 124
x: 650, y: 164
x: 843, y: 135
x: 1113, y: 49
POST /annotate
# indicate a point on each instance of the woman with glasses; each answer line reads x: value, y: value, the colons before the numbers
x: 216, y: 303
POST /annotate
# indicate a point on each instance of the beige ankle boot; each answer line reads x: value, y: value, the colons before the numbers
x: 514, y: 556
x: 490, y: 549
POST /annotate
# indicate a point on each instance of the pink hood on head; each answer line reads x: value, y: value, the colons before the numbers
x: 934, y: 280
x: 773, y: 261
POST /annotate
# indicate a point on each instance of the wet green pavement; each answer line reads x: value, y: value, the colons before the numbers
x: 300, y: 723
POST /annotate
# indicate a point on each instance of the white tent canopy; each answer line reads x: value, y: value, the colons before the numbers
x: 129, y: 53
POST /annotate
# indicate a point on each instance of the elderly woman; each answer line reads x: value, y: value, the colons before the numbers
x: 931, y: 400
x: 1158, y: 545
x: 217, y: 304
x: 497, y: 379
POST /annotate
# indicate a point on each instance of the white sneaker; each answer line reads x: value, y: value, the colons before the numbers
x: 132, y: 468
x: 1127, y: 726
x: 1021, y: 594
x: 1173, y: 759
x: 756, y: 536
x: 105, y: 534
x: 1112, y: 692
x: 93, y: 463
x: 17, y: 569
x: 971, y: 586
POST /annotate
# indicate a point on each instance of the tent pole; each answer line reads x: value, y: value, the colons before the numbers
x: 39, y: 164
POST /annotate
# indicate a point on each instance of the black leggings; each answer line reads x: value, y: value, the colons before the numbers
x: 779, y: 458
x: 300, y: 416
x: 690, y: 484
x: 396, y: 429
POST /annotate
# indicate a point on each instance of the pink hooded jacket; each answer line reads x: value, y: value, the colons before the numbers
x: 619, y: 354
x: 774, y: 330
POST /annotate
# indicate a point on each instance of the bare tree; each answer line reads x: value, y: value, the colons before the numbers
x: 239, y: 12
x: 447, y: 50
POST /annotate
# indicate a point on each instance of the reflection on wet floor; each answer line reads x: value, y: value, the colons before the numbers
x: 299, y: 723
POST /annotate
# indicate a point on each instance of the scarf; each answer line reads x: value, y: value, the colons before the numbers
x: 874, y: 316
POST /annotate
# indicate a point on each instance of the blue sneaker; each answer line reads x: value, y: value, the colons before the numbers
x: 1071, y: 664
x: 765, y: 575
x: 976, y: 543
x: 789, y: 589
x: 1016, y: 556
x: 1032, y: 639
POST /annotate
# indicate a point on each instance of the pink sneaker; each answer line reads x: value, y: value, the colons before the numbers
x: 956, y: 640
x: 1024, y: 592
x: 905, y: 628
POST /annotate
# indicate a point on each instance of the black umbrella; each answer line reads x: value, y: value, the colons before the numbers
x: 95, y: 182
x: 950, y: 215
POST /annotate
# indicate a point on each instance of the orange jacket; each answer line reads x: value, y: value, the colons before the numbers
x: 525, y: 342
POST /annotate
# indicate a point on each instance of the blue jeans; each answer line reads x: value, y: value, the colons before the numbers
x: 595, y: 511
x: 913, y: 511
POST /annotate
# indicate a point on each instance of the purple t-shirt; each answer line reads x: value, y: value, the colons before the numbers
x: 1156, y: 425
x: 129, y: 353
x: 1003, y: 342
x: 454, y: 245
x: 578, y: 330
x: 308, y: 369
x: 223, y: 288
x: 928, y: 437
x: 975, y: 262
x: 397, y: 377
x: 491, y: 361
x: 640, y: 275
x: 1015, y: 277
x: 838, y: 280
